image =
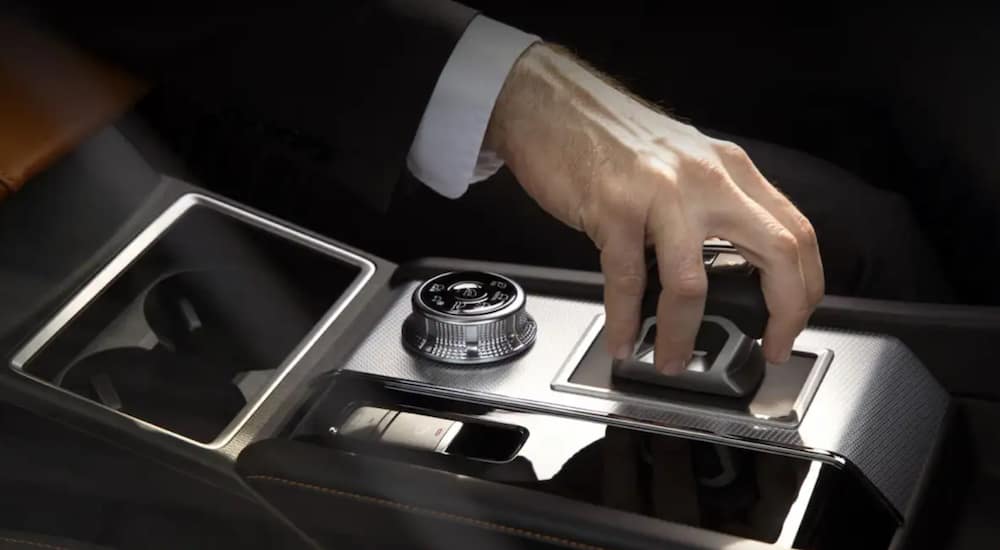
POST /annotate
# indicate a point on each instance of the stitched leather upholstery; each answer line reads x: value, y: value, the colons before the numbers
x: 345, y: 500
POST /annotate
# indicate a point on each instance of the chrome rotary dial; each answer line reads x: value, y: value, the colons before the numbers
x: 469, y: 317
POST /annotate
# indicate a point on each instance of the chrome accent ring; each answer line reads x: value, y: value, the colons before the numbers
x: 469, y: 318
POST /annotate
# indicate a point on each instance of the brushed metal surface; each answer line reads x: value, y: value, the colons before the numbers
x: 472, y: 344
x: 875, y: 407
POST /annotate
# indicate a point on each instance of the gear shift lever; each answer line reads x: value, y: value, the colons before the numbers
x: 727, y: 360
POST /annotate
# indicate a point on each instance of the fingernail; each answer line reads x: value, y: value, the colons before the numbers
x: 674, y: 366
x: 623, y: 352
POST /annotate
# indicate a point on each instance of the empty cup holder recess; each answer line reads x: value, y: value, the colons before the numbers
x: 207, y: 328
x: 190, y: 335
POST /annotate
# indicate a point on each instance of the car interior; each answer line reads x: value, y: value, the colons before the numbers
x: 208, y: 345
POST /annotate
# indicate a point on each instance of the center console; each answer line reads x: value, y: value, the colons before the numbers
x: 453, y: 399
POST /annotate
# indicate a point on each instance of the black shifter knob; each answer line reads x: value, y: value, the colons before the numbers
x: 734, y: 291
x: 728, y: 360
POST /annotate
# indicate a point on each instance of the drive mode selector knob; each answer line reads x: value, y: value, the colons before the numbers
x: 469, y: 317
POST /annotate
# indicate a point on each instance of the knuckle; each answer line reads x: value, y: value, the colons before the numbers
x: 657, y: 180
x: 666, y: 188
x: 733, y: 152
x: 687, y: 284
x: 805, y: 233
x: 621, y: 205
x: 704, y: 168
x: 667, y: 192
x: 644, y: 163
x: 785, y: 244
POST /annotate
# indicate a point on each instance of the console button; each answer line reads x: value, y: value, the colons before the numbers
x: 366, y: 422
x: 417, y: 431
x: 468, y: 291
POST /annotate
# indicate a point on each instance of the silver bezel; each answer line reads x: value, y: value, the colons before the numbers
x: 562, y: 383
x: 135, y: 248
x: 417, y: 351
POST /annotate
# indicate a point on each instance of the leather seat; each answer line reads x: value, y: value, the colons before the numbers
x: 52, y: 97
x: 54, y: 230
x: 68, y: 177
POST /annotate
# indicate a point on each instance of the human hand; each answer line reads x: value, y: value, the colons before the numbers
x: 630, y: 177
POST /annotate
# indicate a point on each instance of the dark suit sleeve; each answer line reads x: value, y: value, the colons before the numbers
x: 356, y: 75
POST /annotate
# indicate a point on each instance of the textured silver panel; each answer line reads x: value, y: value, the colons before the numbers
x: 560, y: 323
x: 876, y: 406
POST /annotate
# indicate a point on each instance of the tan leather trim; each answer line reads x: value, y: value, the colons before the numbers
x: 52, y: 96
x: 472, y: 522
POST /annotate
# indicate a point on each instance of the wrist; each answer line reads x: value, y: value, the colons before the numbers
x: 528, y: 93
x: 551, y: 93
x: 548, y: 125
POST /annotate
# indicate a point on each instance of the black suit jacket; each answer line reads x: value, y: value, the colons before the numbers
x: 354, y: 75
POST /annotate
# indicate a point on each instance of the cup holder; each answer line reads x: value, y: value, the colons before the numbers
x: 175, y: 390
x: 196, y: 319
x: 238, y: 320
x: 210, y: 325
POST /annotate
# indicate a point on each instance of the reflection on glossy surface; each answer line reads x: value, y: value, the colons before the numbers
x: 758, y: 495
x: 722, y: 488
x: 552, y: 442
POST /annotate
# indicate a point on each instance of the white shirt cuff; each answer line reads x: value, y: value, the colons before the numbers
x: 447, y: 153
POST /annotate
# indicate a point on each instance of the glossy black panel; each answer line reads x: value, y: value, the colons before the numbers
x: 764, y: 496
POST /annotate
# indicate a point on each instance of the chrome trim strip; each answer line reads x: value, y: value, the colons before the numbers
x: 651, y: 426
x: 134, y: 249
x: 796, y: 513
